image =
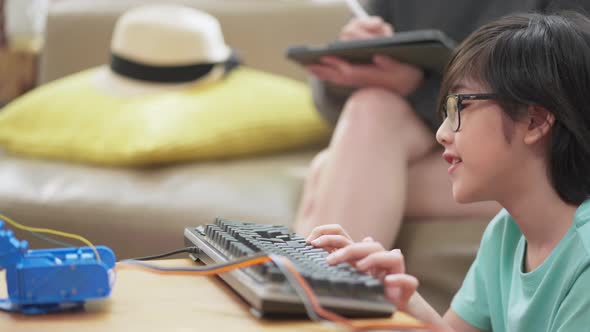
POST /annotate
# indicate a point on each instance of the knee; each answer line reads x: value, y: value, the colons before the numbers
x: 316, y: 165
x: 372, y: 108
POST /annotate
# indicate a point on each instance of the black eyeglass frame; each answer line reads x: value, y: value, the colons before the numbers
x: 459, y: 98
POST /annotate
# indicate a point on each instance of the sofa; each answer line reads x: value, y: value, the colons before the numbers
x: 144, y: 211
x: 114, y: 205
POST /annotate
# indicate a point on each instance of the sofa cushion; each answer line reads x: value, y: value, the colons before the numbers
x: 137, y: 212
x: 246, y: 112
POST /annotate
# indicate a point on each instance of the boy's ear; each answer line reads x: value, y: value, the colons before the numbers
x: 540, y: 123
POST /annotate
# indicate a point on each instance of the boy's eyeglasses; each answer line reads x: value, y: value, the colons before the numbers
x: 453, y: 106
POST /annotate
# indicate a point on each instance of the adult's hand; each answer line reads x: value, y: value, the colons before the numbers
x: 366, y: 28
x: 383, y: 72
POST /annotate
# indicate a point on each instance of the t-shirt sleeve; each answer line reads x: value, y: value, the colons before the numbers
x: 471, y: 302
x: 573, y: 313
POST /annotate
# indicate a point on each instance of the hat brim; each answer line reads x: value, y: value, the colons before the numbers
x: 221, y: 55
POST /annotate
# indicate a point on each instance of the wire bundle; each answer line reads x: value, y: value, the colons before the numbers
x: 310, y: 301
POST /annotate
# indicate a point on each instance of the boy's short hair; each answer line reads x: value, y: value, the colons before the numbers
x: 543, y: 60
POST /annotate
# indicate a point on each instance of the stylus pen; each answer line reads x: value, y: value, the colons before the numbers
x: 357, y: 9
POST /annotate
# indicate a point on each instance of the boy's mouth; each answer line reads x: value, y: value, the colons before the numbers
x: 453, y: 160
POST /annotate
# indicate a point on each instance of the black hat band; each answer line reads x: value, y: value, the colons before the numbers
x: 161, y: 74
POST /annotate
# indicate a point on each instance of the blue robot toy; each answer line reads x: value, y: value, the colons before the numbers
x: 50, y: 280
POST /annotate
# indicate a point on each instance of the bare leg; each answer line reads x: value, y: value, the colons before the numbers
x: 306, y: 204
x: 361, y: 183
x: 429, y: 192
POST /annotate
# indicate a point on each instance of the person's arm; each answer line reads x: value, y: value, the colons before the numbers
x: 389, y: 266
x: 334, y: 80
x: 329, y: 98
x: 451, y: 322
x: 457, y: 323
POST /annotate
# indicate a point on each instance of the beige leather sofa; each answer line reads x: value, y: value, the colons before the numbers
x: 144, y: 211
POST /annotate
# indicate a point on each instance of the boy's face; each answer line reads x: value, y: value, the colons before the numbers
x: 482, y: 154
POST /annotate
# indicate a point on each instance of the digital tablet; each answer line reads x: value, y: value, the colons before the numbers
x: 428, y: 49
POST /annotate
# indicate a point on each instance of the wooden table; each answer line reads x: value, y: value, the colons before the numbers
x: 143, y: 301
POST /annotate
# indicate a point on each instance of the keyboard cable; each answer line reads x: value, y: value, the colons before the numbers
x: 310, y: 301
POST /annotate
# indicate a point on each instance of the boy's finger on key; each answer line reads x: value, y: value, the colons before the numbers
x: 354, y: 252
x: 332, y: 241
x: 330, y: 229
x: 391, y: 261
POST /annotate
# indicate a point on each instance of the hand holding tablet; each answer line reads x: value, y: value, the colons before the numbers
x: 427, y: 49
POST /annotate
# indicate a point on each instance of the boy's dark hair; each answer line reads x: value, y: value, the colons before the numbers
x: 542, y: 60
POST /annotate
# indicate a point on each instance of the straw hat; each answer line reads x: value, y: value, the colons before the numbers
x: 164, y: 47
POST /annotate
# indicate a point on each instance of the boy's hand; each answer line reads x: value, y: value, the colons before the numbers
x: 329, y: 237
x: 370, y: 256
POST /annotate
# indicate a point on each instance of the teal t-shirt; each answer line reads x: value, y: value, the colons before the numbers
x: 498, y: 296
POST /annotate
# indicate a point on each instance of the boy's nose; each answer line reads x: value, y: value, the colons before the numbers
x: 444, y: 134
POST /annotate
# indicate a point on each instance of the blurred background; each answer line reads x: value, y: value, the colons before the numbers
x: 42, y: 40
x: 22, y: 23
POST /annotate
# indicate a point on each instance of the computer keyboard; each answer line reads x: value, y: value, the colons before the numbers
x: 340, y: 288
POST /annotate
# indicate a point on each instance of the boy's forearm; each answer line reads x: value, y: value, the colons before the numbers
x: 421, y: 310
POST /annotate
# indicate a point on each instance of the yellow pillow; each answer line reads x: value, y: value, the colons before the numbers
x: 248, y: 112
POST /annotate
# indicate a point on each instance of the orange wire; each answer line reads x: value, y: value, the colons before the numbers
x: 342, y: 320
